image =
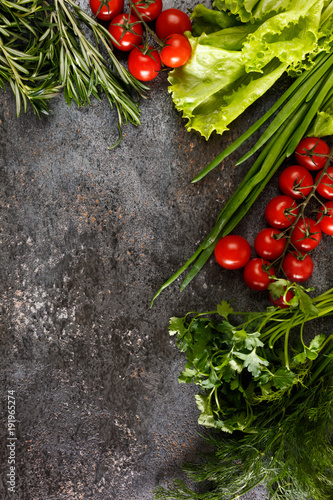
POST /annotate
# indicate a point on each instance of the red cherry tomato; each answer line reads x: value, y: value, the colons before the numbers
x: 144, y: 67
x: 297, y: 269
x: 282, y: 301
x: 326, y: 223
x: 295, y: 181
x: 149, y: 10
x: 299, y: 237
x: 107, y: 12
x: 325, y: 186
x: 123, y: 39
x: 267, y: 245
x: 255, y: 276
x: 172, y: 21
x: 281, y: 212
x: 312, y: 145
x: 232, y: 251
x: 176, y: 52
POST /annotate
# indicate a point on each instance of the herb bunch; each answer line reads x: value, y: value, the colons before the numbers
x: 268, y: 393
x: 44, y: 50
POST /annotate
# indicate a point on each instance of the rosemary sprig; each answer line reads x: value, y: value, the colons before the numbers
x: 44, y: 50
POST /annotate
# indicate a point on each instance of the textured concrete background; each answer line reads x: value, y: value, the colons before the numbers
x: 87, y: 236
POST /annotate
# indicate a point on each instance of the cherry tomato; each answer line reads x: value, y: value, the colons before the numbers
x: 149, y: 10
x: 176, y: 52
x: 282, y: 301
x: 255, y: 276
x: 326, y: 223
x: 312, y: 145
x: 295, y: 181
x: 299, y: 237
x: 325, y: 186
x: 297, y: 269
x: 281, y: 211
x: 172, y: 21
x: 109, y: 9
x: 232, y: 251
x: 144, y: 67
x: 267, y: 245
x: 123, y: 39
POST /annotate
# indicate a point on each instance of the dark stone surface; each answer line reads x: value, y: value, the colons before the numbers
x: 87, y: 236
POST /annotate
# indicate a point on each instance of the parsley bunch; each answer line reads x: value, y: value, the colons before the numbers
x: 269, y: 394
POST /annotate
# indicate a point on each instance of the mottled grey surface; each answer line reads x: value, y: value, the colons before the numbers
x: 87, y: 236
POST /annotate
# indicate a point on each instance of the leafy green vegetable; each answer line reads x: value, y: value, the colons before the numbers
x: 270, y: 400
x: 310, y: 92
x: 239, y: 365
x: 232, y: 67
x: 208, y: 21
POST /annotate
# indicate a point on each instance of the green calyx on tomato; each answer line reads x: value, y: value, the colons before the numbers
x: 281, y: 212
x: 297, y: 267
x: 269, y: 243
x: 325, y: 186
x: 283, y: 301
x: 296, y: 181
x: 325, y: 218
x: 171, y: 21
x: 306, y: 235
x: 258, y: 274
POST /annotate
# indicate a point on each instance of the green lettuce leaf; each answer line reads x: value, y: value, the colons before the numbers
x: 231, y: 68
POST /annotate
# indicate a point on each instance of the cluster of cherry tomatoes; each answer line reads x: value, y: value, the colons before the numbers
x: 129, y: 32
x: 290, y: 235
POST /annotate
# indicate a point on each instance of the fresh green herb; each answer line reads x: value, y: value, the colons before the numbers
x: 238, y: 366
x: 269, y: 395
x: 44, y: 49
x: 239, y: 53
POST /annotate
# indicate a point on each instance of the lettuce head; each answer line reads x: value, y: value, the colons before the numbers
x: 240, y: 50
